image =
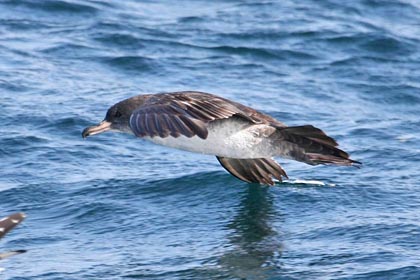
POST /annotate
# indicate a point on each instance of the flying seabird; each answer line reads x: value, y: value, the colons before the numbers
x: 7, y: 224
x: 243, y: 139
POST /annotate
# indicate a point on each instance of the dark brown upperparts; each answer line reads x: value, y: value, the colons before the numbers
x: 187, y: 113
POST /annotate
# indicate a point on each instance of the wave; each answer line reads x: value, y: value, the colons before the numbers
x: 55, y: 6
x: 132, y: 63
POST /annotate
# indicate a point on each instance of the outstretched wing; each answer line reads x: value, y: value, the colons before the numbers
x: 8, y: 223
x: 183, y: 113
x: 253, y: 170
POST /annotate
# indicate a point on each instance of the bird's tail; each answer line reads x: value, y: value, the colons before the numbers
x: 311, y: 145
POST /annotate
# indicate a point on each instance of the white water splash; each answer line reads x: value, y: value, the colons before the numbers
x: 405, y: 137
x: 309, y: 182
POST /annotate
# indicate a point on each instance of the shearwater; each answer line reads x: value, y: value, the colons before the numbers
x: 243, y: 139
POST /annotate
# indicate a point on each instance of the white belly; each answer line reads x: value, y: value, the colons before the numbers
x: 226, y: 138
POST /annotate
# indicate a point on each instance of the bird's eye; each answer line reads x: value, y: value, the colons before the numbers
x: 118, y: 114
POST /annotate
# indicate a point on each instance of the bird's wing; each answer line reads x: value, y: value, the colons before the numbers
x: 255, y: 170
x: 7, y: 223
x: 185, y: 113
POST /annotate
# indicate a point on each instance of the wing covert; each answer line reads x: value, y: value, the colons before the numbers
x: 180, y: 114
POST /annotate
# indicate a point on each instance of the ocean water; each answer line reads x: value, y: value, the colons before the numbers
x: 117, y: 207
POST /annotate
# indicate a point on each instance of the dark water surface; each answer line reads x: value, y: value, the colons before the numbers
x: 116, y: 207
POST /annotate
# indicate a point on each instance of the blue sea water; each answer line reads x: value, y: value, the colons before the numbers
x: 117, y: 207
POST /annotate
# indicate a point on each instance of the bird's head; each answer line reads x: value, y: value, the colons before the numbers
x: 117, y: 117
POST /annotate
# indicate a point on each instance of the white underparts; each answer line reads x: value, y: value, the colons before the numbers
x: 233, y: 138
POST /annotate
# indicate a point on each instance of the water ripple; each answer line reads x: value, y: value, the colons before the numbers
x: 116, y: 206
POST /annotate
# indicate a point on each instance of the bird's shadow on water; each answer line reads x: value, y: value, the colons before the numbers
x: 253, y: 247
x: 254, y: 241
x: 246, y: 217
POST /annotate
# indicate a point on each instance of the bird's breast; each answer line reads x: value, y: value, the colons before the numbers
x: 233, y: 138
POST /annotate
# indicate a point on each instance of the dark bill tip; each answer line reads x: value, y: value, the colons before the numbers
x: 20, y: 251
x: 85, y: 132
x: 11, y: 253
